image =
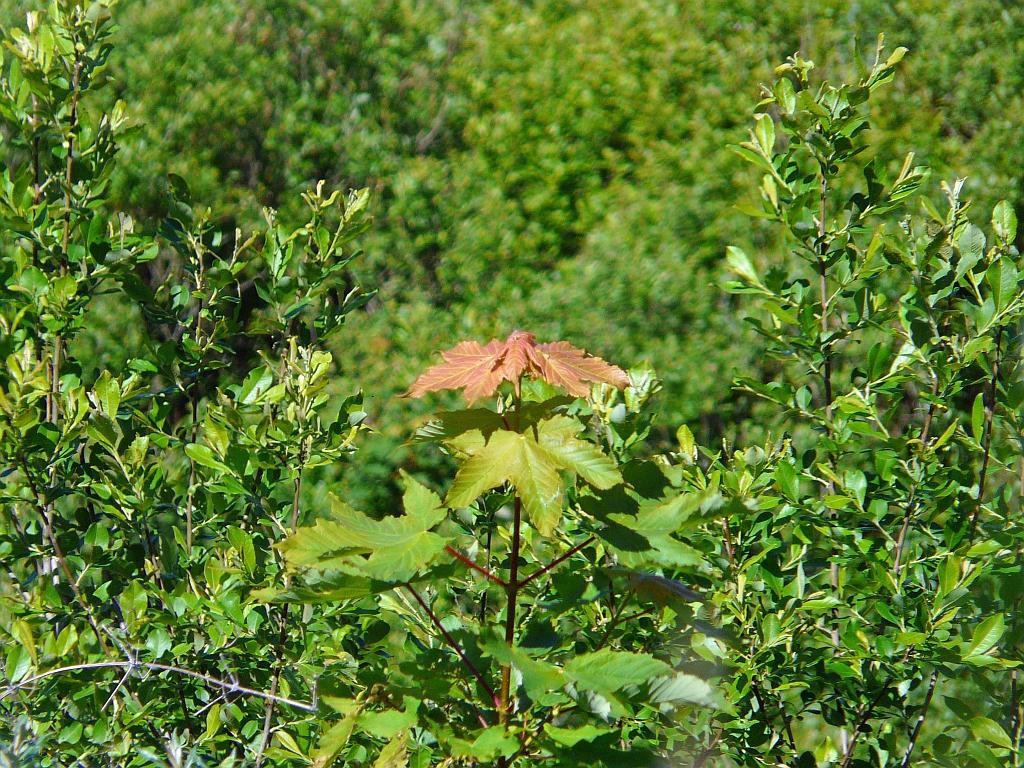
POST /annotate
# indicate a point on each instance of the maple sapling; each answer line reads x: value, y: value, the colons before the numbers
x: 529, y: 456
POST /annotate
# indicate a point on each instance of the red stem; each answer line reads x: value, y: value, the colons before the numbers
x: 455, y: 647
x: 554, y: 563
x: 478, y: 568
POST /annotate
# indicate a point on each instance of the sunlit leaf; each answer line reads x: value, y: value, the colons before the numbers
x: 392, y: 550
x: 609, y: 671
x: 479, y: 369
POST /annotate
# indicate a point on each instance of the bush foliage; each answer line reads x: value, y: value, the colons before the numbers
x: 208, y: 560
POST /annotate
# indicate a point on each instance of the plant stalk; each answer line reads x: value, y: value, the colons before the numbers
x: 282, y: 638
x: 826, y: 375
x: 512, y: 590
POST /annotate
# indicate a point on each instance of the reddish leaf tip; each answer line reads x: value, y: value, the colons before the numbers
x: 479, y: 369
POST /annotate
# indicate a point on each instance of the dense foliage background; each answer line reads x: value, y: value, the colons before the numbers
x: 569, y: 168
x: 557, y: 166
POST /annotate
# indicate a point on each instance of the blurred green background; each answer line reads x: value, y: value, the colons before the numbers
x: 556, y: 166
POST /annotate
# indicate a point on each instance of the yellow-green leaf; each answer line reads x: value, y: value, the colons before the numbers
x: 394, y: 754
x: 491, y: 466
x: 608, y: 670
x: 558, y: 438
x: 989, y: 730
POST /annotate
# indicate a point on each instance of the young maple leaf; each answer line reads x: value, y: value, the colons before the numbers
x: 479, y: 369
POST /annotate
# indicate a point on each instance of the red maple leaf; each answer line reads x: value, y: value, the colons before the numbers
x: 479, y: 369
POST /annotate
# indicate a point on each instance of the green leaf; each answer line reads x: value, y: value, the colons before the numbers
x: 747, y: 152
x: 289, y: 743
x: 978, y: 417
x: 394, y: 754
x: 607, y: 671
x: 255, y: 386
x: 331, y: 588
x: 204, y: 456
x: 687, y: 444
x: 333, y: 740
x: 986, y: 635
x: 946, y: 435
x: 558, y: 438
x: 450, y: 424
x: 22, y: 632
x: 1002, y: 279
x: 570, y: 737
x: 989, y: 730
x: 983, y: 549
x: 71, y: 733
x: 538, y: 484
x: 982, y: 755
x: 489, y: 467
x: 213, y: 722
x: 108, y: 394
x: 739, y: 263
x: 390, y: 550
x: 242, y: 542
x: 417, y: 499
x: 785, y: 95
x: 682, y: 688
x: 19, y: 661
x: 949, y: 575
x: 971, y: 244
x: 387, y: 723
x: 657, y: 521
x: 158, y: 642
x: 896, y: 56
x: 491, y: 743
x: 1004, y: 221
x: 764, y: 131
x: 539, y: 677
x: 530, y: 461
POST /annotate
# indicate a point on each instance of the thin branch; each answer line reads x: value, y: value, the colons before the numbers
x: 512, y: 590
x: 282, y: 636
x: 58, y: 551
x: 908, y: 515
x: 727, y: 539
x: 229, y: 687
x: 113, y: 693
x: 53, y: 399
x: 558, y: 561
x: 863, y: 716
x: 759, y: 695
x: 478, y: 568
x: 990, y: 408
x: 1015, y: 717
x: 487, y: 560
x: 1016, y: 707
x: 982, y: 477
x: 827, y: 385
x: 708, y: 751
x: 615, y: 617
x: 920, y: 718
x: 453, y: 644
x: 190, y: 500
